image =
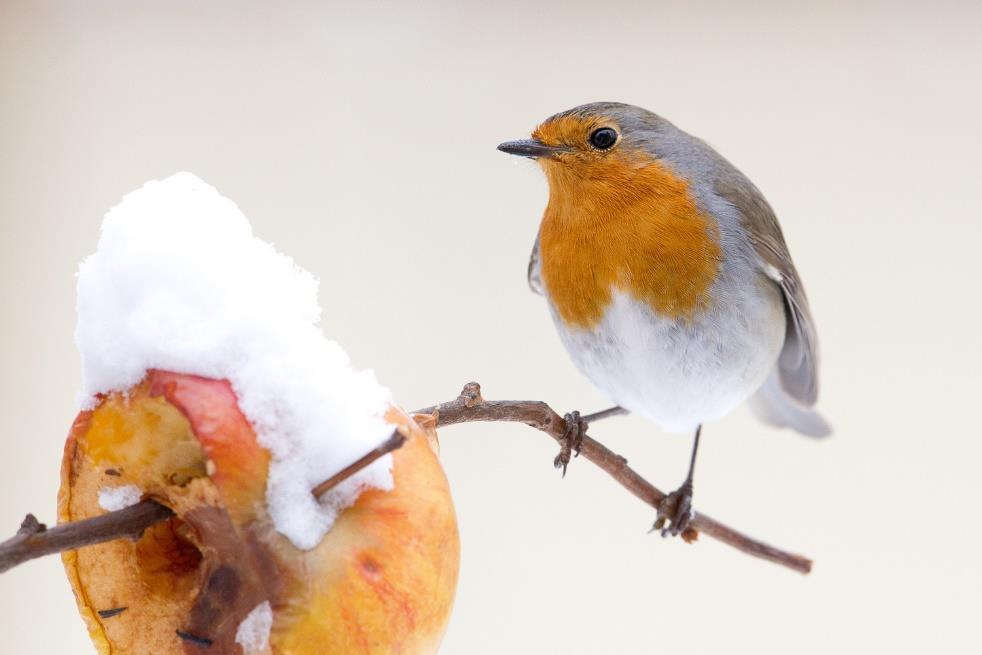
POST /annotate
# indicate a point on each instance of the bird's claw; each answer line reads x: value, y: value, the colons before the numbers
x: 675, y: 513
x: 572, y: 440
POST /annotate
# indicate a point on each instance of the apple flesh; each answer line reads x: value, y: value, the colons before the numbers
x: 381, y: 581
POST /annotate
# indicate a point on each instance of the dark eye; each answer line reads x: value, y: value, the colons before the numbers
x: 603, y: 138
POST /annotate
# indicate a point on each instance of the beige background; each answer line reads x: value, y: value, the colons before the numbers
x: 361, y: 141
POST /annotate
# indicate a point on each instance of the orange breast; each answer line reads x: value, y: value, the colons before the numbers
x: 625, y: 224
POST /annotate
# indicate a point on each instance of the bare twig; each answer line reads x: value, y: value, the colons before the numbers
x: 607, y: 413
x: 470, y: 406
x: 34, y: 540
x: 394, y: 442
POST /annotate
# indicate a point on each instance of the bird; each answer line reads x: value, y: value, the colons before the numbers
x: 669, y: 281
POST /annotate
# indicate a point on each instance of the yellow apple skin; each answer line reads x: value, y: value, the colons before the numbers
x: 381, y: 581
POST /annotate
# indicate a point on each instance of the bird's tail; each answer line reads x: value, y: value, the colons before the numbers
x: 773, y: 406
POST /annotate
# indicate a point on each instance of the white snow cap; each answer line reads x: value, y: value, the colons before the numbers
x: 180, y: 283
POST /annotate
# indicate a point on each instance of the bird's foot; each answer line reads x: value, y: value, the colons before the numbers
x: 572, y: 440
x: 675, y: 513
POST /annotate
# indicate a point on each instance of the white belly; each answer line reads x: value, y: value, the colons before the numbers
x: 681, y: 374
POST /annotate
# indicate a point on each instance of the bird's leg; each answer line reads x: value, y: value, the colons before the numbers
x: 576, y: 427
x: 676, y: 507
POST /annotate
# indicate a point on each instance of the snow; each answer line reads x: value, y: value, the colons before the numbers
x: 253, y: 632
x: 180, y: 283
x: 113, y: 499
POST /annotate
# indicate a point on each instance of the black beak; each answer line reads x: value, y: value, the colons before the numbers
x: 531, y: 148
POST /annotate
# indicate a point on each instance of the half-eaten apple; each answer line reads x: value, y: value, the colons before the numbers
x: 217, y: 577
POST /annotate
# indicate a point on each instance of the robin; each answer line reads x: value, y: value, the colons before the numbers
x: 669, y: 281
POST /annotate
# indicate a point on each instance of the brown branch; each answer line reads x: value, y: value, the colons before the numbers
x: 34, y: 540
x: 470, y: 406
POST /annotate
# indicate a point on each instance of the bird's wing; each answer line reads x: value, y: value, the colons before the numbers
x: 535, y: 269
x: 798, y: 362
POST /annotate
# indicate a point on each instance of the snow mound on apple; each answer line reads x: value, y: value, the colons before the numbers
x: 180, y: 283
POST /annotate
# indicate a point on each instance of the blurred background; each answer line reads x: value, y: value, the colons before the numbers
x: 361, y: 141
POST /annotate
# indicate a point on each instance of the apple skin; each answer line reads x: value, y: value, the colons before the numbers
x: 381, y: 581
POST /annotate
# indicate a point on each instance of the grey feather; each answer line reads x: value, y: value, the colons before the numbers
x: 773, y: 406
x: 797, y: 364
x: 535, y: 270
